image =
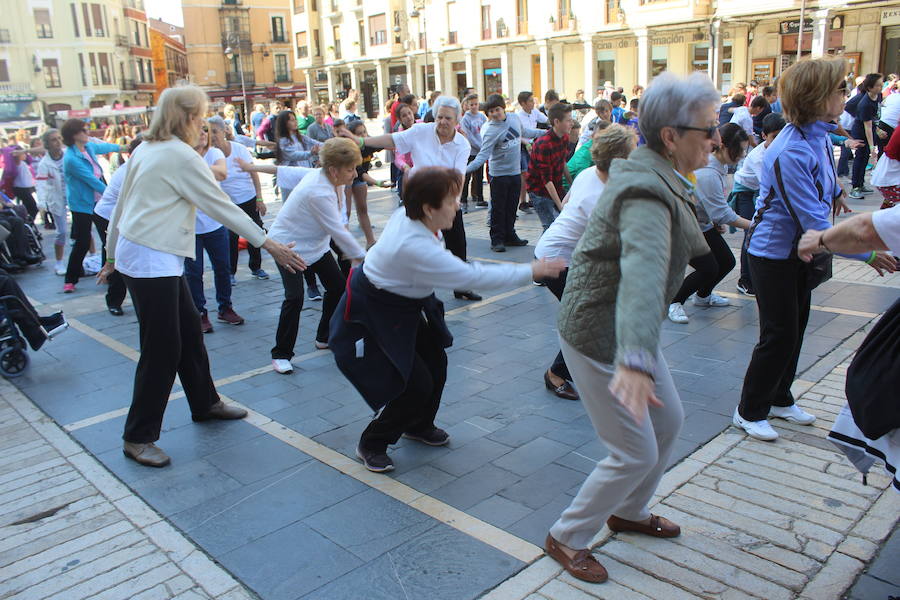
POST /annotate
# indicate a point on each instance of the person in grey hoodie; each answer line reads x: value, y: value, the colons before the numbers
x: 501, y: 138
x: 470, y: 125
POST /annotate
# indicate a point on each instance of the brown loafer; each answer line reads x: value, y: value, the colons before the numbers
x: 564, y: 391
x: 582, y: 566
x: 150, y: 454
x: 658, y: 527
x: 221, y: 411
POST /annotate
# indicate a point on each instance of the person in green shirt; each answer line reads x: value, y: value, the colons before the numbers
x: 582, y: 160
x: 304, y: 119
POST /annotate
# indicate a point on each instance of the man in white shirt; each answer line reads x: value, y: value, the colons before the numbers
x: 743, y: 116
x: 530, y: 117
x: 436, y: 144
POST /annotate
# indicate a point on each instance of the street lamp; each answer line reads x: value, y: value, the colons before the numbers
x: 234, y: 41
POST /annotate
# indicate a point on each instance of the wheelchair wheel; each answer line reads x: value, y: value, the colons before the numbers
x: 13, y: 361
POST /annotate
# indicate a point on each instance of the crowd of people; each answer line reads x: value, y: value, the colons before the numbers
x: 629, y: 194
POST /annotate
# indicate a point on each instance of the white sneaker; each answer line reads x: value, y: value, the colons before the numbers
x: 282, y: 365
x: 321, y: 345
x: 792, y: 413
x: 760, y: 430
x: 677, y: 314
x: 712, y: 300
x: 60, y: 269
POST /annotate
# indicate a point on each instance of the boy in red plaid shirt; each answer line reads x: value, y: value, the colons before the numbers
x: 548, y: 165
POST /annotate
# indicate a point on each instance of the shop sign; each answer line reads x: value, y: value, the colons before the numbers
x: 17, y: 97
x: 890, y: 16
x: 793, y: 26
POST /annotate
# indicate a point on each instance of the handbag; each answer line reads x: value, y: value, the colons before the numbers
x: 874, y: 378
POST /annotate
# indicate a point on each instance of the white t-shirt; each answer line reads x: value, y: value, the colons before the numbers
x: 560, y: 238
x: 742, y: 117
x: 887, y: 225
x: 748, y: 174
x: 421, y: 140
x: 110, y: 197
x: 141, y: 262
x: 890, y: 110
x: 238, y: 185
x: 205, y: 223
x: 311, y: 218
x: 410, y: 261
x: 531, y: 120
x: 23, y: 177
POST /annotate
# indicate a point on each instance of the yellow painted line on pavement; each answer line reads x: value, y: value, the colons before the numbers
x: 489, y: 300
x: 828, y: 309
x: 476, y: 528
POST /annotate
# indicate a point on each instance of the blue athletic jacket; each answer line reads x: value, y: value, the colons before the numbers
x: 798, y: 171
x: 80, y: 181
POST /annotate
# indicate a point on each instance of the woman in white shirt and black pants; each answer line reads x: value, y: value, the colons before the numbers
x: 388, y: 333
x: 151, y: 232
x: 311, y: 218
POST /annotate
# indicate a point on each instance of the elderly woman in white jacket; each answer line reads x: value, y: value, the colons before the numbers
x: 151, y: 232
x: 51, y: 191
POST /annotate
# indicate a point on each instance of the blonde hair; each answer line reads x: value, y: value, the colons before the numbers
x: 176, y: 107
x: 805, y: 87
x: 228, y: 111
x: 22, y: 135
x: 339, y: 152
x: 614, y: 141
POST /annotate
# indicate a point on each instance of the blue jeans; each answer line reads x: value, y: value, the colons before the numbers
x: 545, y: 208
x: 216, y: 245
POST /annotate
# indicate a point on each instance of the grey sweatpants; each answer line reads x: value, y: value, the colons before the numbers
x: 623, y: 483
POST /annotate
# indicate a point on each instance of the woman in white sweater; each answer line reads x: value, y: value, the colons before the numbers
x: 151, y: 232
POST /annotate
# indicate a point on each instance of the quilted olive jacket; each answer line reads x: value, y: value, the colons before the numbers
x: 630, y: 262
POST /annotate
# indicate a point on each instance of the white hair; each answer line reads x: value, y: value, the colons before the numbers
x: 674, y: 100
x: 446, y: 101
x: 217, y: 122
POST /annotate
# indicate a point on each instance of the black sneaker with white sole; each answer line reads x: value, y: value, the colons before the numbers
x: 745, y: 289
x: 435, y: 437
x: 377, y: 462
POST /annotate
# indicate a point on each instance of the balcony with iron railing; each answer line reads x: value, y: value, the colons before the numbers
x: 5, y: 38
x: 284, y: 77
x: 237, y: 40
x: 452, y: 37
x: 563, y: 21
x: 129, y: 84
x: 233, y: 78
x: 122, y: 41
x: 135, y: 4
x: 15, y: 88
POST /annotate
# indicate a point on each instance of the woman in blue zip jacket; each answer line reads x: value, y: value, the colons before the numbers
x: 84, y: 186
x: 798, y: 185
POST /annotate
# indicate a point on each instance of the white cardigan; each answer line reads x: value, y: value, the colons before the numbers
x: 166, y: 183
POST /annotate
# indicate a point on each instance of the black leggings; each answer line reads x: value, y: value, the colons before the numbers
x: 26, y: 197
x: 709, y: 269
x: 81, y: 233
x: 248, y: 207
x: 413, y: 411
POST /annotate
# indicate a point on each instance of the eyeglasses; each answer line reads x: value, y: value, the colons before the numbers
x: 204, y: 129
x: 842, y: 87
x: 709, y: 131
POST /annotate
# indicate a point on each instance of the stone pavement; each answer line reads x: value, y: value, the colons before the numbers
x: 280, y: 501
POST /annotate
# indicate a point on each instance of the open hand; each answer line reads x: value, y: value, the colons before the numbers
x: 635, y: 390
x: 884, y: 263
x: 284, y: 255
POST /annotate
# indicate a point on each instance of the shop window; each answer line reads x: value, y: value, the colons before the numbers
x: 51, y: 73
x: 42, y: 25
x: 659, y: 60
x: 700, y: 58
x: 493, y: 76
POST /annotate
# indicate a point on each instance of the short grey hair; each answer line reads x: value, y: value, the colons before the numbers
x: 45, y: 137
x: 217, y: 122
x: 446, y: 101
x: 674, y: 100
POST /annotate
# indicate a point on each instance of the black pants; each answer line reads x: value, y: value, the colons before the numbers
x: 860, y: 160
x: 882, y: 142
x: 171, y: 342
x: 473, y: 187
x: 289, y: 320
x: 783, y: 300
x: 115, y: 293
x: 22, y: 313
x: 414, y: 410
x: 745, y: 206
x: 505, y: 190
x: 709, y: 269
x: 81, y: 233
x: 26, y: 197
x: 455, y: 237
x: 248, y: 207
x: 557, y: 286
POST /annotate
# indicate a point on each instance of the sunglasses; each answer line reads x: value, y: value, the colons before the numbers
x: 709, y: 131
x: 204, y: 129
x: 842, y: 87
